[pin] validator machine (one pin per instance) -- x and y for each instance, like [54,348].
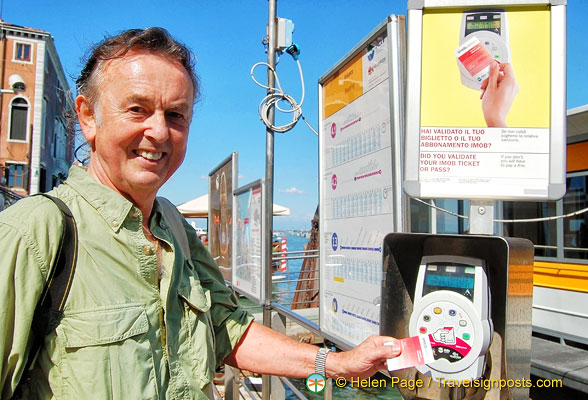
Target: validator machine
[490,26]
[452,306]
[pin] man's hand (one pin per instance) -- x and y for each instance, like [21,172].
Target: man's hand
[498,93]
[364,360]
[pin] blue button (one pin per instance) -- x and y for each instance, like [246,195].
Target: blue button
[452,312]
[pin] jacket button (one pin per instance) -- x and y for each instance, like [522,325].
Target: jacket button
[147,250]
[134,214]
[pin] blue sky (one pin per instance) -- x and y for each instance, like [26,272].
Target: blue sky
[226,37]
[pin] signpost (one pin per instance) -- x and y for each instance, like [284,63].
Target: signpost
[221,181]
[506,142]
[359,157]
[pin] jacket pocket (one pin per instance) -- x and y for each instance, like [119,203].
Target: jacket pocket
[199,329]
[106,353]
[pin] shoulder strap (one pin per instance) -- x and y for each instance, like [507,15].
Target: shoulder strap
[49,310]
[175,221]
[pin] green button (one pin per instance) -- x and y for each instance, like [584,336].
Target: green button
[466,336]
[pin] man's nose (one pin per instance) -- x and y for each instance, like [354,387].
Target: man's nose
[157,128]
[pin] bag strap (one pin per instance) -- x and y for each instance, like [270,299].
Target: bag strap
[176,223]
[49,309]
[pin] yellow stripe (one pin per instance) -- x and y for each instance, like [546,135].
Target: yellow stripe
[561,276]
[338,279]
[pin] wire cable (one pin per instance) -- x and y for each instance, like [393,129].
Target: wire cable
[432,205]
[572,214]
[555,217]
[277,95]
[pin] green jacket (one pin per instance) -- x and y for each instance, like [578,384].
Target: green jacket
[123,335]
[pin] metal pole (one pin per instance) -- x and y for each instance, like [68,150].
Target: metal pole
[269,185]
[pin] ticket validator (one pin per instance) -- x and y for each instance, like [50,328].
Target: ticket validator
[452,306]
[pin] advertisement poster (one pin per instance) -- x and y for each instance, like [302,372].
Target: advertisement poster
[485,103]
[220,218]
[247,274]
[356,193]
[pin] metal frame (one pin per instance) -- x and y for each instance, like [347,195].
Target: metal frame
[393,28]
[233,158]
[260,183]
[557,180]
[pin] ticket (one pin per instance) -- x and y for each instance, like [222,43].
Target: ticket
[416,350]
[475,59]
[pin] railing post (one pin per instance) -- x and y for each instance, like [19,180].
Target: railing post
[278,389]
[269,185]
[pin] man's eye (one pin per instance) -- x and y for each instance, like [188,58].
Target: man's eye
[136,109]
[176,115]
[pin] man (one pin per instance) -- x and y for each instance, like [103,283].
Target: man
[143,320]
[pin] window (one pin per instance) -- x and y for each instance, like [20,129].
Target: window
[17,176]
[425,219]
[543,234]
[19,110]
[576,227]
[59,140]
[22,52]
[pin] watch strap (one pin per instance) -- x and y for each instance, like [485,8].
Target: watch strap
[320,361]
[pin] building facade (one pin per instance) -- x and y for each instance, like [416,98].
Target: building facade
[36,132]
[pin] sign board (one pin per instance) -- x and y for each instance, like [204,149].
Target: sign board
[486,106]
[221,181]
[359,166]
[248,275]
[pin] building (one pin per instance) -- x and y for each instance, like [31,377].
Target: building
[36,139]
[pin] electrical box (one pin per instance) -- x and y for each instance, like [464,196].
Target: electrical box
[285,29]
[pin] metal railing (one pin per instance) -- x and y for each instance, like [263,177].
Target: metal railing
[8,197]
[284,289]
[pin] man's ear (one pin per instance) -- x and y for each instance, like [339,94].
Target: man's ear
[86,118]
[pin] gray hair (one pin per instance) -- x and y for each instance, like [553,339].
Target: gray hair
[155,40]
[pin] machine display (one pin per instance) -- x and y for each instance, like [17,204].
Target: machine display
[452,307]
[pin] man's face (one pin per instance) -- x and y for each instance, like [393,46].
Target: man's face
[138,127]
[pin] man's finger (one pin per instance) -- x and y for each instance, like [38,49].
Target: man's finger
[395,346]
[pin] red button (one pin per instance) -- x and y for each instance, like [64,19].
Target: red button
[423,330]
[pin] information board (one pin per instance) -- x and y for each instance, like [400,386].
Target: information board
[486,105]
[248,275]
[221,181]
[359,118]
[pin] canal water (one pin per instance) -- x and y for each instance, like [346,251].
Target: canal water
[286,289]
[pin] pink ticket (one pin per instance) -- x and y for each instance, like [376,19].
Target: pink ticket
[416,350]
[475,59]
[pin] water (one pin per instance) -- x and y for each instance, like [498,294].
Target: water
[286,289]
[296,243]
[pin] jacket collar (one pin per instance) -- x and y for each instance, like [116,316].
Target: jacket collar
[112,206]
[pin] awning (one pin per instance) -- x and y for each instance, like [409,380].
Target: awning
[198,208]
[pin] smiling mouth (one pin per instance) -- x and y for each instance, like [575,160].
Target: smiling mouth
[149,155]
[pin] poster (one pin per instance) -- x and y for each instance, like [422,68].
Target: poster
[485,105]
[247,272]
[356,192]
[220,218]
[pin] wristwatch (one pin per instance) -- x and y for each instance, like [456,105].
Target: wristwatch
[321,361]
